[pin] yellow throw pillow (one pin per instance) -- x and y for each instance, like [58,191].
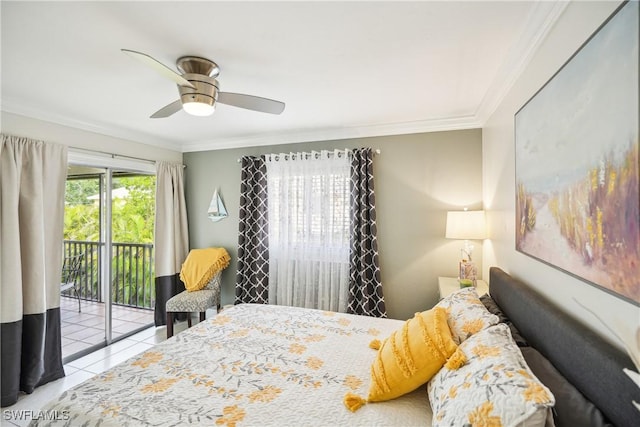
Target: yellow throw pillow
[201,265]
[408,358]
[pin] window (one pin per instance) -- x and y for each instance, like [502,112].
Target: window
[308,199]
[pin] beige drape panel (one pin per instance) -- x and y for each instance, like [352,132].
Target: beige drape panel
[171,234]
[32,185]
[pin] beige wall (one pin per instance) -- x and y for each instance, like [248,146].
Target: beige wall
[417,177]
[576,24]
[14,124]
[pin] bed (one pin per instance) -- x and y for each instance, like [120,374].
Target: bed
[273,365]
[587,362]
[249,365]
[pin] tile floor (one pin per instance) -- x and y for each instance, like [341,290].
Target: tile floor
[85,329]
[86,367]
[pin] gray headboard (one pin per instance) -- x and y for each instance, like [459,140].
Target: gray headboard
[590,363]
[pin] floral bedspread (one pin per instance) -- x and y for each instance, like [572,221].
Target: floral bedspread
[252,365]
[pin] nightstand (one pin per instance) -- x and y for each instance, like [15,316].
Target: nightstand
[446,285]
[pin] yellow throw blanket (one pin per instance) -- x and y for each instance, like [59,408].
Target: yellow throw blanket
[201,265]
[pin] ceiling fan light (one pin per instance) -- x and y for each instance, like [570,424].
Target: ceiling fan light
[200,109]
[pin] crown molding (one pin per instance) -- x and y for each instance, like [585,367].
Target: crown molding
[326,134]
[10,106]
[332,134]
[540,21]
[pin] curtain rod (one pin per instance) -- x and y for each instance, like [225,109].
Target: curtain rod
[113,155]
[375,152]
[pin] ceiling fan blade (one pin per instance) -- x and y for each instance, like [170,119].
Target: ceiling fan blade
[168,110]
[251,102]
[159,67]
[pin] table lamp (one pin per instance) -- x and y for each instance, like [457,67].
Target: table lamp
[466,225]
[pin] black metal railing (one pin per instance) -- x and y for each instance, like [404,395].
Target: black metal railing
[132,275]
[132,281]
[89,281]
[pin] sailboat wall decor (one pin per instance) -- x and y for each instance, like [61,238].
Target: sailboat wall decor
[216,210]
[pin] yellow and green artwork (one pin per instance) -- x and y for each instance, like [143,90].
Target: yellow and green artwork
[576,147]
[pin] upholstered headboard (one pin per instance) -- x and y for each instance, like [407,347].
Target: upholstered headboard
[590,363]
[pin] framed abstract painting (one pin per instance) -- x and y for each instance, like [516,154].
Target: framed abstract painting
[576,147]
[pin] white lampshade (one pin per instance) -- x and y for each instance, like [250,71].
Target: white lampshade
[466,225]
[198,108]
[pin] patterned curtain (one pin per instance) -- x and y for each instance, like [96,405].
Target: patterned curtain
[171,235]
[32,185]
[252,280]
[365,288]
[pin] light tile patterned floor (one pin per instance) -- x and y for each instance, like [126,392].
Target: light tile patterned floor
[85,329]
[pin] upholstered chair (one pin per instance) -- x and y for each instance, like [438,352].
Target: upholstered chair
[196,301]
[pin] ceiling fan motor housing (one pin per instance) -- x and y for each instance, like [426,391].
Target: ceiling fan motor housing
[205,91]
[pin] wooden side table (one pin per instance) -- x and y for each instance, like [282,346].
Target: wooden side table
[447,285]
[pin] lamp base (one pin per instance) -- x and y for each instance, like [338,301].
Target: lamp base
[468,272]
[465,283]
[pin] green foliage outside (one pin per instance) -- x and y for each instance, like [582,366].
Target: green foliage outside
[132,223]
[133,216]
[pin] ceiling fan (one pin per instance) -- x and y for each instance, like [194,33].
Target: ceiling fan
[199,89]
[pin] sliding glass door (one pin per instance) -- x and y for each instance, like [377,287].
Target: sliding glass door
[109,216]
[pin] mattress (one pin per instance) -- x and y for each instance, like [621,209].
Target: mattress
[249,365]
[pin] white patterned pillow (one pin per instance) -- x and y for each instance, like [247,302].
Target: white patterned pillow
[494,387]
[466,314]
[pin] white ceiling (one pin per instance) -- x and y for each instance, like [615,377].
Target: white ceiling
[344,69]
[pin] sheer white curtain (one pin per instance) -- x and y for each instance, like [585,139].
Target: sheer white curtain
[308,197]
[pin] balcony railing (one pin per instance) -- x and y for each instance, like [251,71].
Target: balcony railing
[132,281]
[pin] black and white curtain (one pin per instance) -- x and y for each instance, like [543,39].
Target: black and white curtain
[365,287]
[32,184]
[252,280]
[171,241]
